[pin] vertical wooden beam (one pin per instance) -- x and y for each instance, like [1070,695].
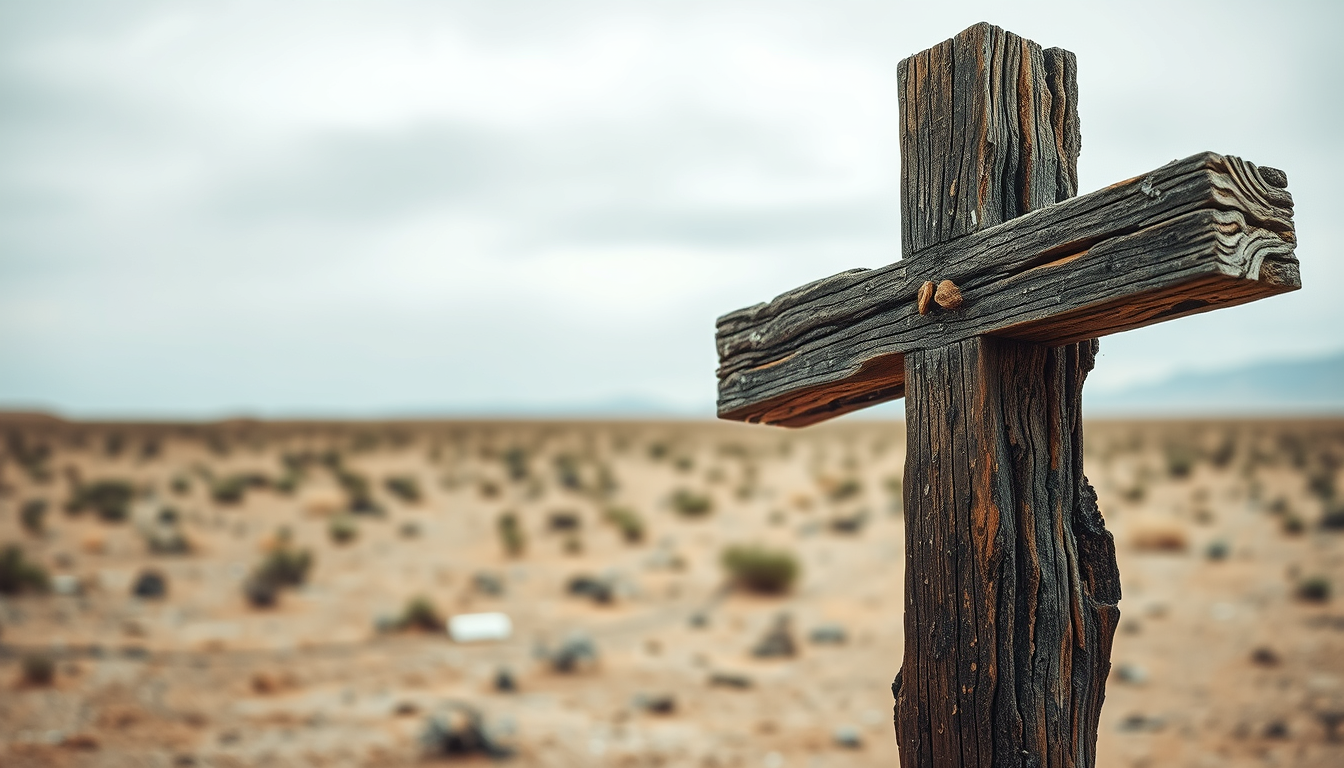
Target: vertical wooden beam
[1011,583]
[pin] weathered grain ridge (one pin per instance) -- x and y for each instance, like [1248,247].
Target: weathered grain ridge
[1119,258]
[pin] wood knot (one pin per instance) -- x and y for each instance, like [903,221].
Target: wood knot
[925,296]
[948,295]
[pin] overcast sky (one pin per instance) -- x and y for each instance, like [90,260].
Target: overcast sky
[436,207]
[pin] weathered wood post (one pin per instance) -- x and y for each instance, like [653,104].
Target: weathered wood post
[1010,609]
[988,327]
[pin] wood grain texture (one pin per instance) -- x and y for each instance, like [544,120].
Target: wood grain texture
[1197,234]
[989,131]
[1011,583]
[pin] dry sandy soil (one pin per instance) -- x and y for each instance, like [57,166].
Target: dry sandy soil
[1230,650]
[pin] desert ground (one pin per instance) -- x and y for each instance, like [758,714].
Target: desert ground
[680,593]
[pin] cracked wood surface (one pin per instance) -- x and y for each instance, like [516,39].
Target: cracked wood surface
[1197,234]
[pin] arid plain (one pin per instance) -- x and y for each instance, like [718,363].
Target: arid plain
[680,593]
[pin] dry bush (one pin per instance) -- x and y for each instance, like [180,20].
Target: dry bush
[758,569]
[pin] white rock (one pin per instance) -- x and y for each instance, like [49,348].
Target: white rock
[476,627]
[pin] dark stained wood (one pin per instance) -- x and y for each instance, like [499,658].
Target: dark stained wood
[1011,584]
[1197,234]
[1012,590]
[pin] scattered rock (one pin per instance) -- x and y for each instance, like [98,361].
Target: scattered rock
[1217,550]
[150,585]
[601,591]
[828,634]
[847,737]
[656,704]
[66,584]
[459,730]
[489,584]
[778,641]
[1137,722]
[730,680]
[576,653]
[1264,656]
[1131,673]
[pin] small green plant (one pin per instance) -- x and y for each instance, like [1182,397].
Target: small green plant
[109,499]
[758,569]
[39,669]
[180,485]
[511,534]
[18,574]
[342,529]
[628,522]
[229,490]
[688,503]
[404,487]
[33,516]
[1313,589]
[283,567]
[420,613]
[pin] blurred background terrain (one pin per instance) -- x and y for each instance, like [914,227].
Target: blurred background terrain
[321,325]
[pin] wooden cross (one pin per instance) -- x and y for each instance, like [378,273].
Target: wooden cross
[987,326]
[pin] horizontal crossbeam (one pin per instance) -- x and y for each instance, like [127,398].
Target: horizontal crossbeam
[1197,234]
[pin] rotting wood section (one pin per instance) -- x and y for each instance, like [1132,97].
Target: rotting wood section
[1197,234]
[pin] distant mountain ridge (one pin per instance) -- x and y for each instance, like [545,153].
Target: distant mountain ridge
[1303,386]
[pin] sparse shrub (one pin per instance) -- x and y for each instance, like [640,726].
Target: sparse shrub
[150,585]
[683,463]
[420,613]
[39,669]
[228,490]
[1332,519]
[33,516]
[1314,589]
[1181,460]
[109,499]
[18,574]
[180,485]
[284,566]
[511,534]
[628,522]
[759,569]
[342,528]
[688,503]
[288,483]
[842,490]
[404,487]
[515,461]
[567,472]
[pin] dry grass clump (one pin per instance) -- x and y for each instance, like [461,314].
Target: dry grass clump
[18,574]
[283,567]
[109,499]
[627,521]
[342,528]
[404,487]
[511,534]
[759,569]
[421,614]
[689,503]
